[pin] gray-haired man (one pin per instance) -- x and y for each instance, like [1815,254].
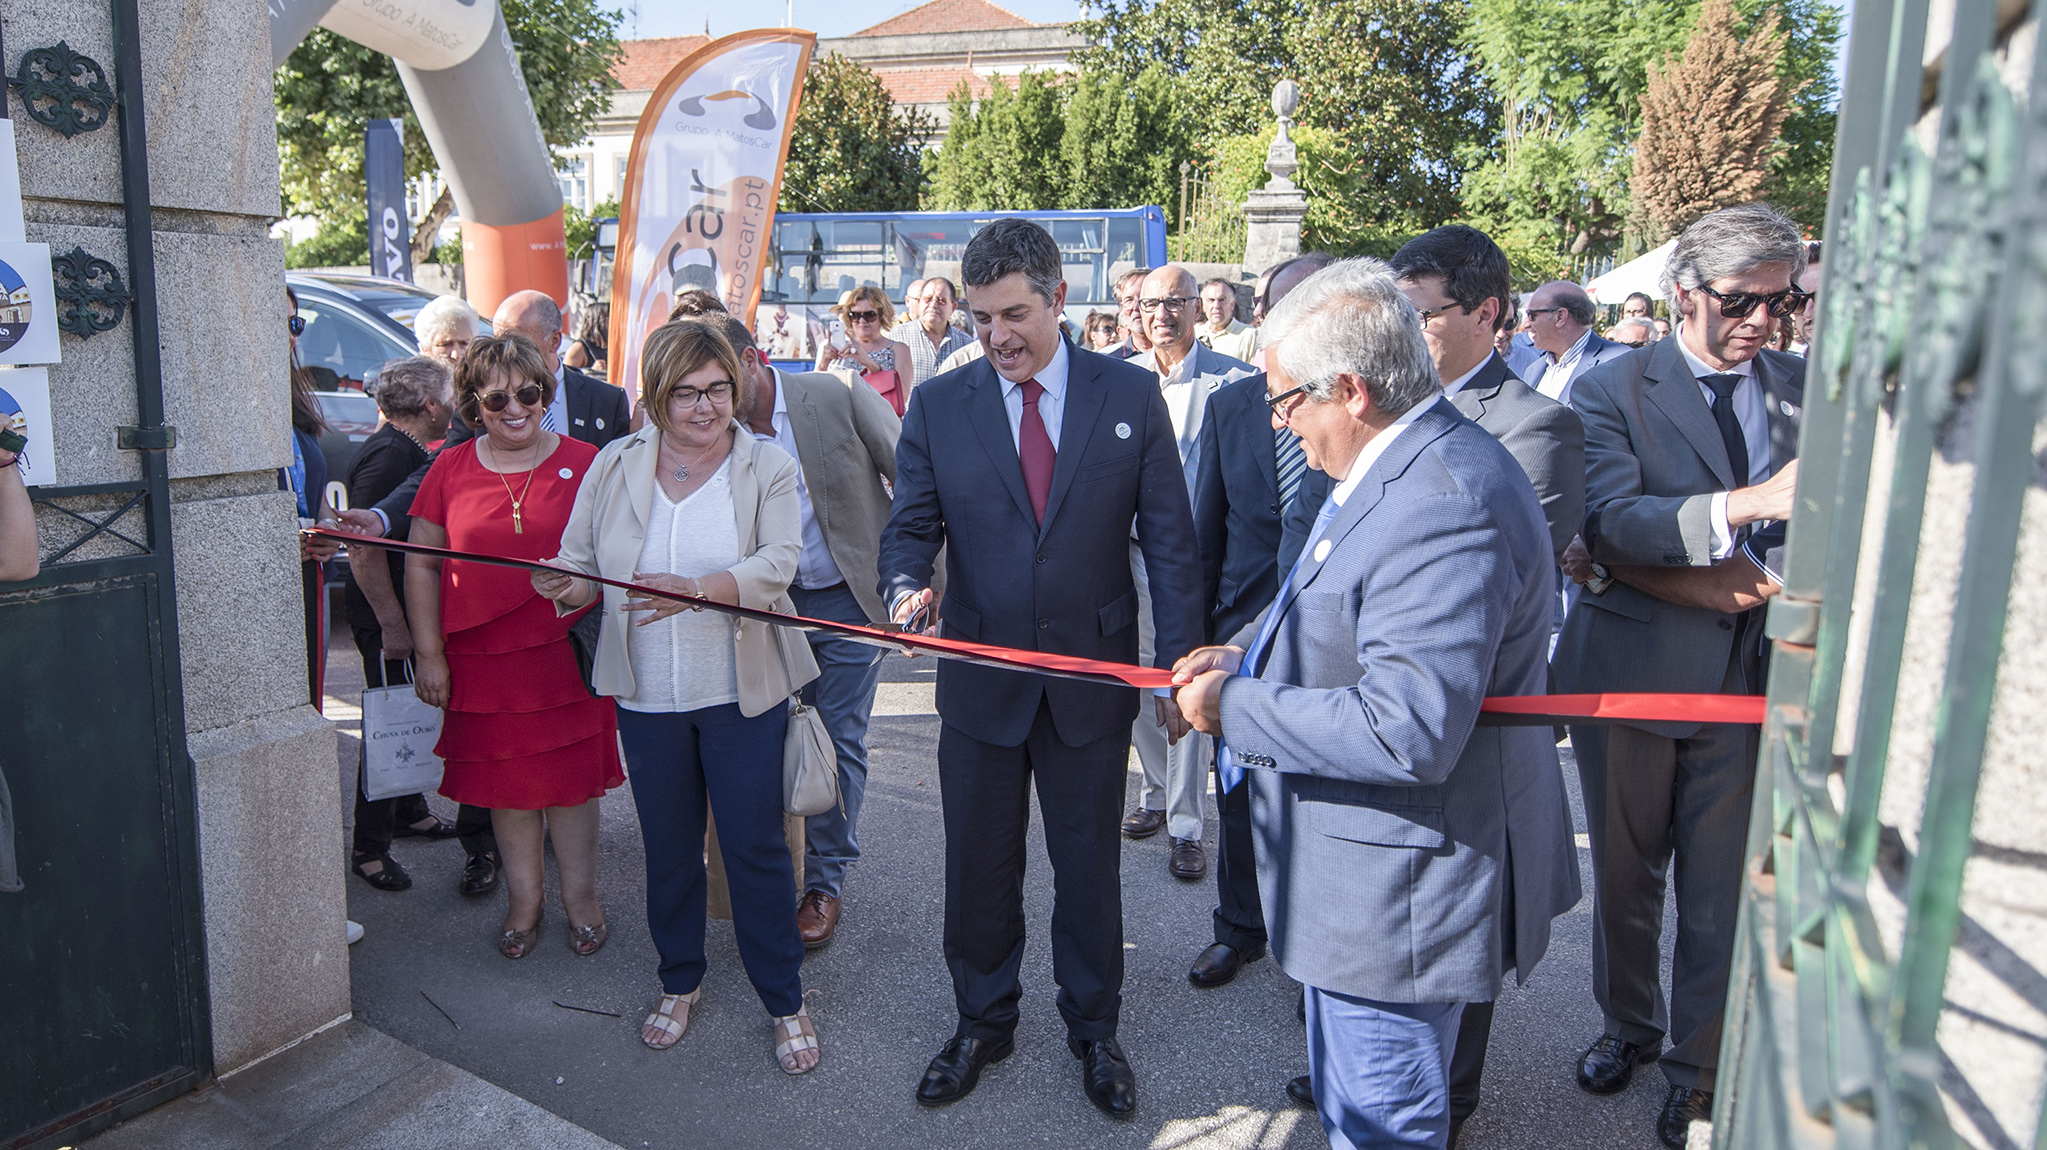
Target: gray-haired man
[1688,442]
[1406,860]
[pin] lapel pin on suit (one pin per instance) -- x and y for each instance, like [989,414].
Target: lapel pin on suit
[1122,431]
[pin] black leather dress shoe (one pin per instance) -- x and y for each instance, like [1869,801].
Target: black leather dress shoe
[1220,963]
[1682,1107]
[957,1069]
[1302,1091]
[1610,1063]
[1105,1075]
[480,874]
[1187,862]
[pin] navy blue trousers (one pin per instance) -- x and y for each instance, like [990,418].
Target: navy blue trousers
[677,762]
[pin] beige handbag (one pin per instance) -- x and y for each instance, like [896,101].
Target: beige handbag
[810,764]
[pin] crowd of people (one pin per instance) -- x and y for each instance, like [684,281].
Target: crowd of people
[1397,490]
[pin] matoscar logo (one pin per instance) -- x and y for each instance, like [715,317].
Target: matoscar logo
[699,194]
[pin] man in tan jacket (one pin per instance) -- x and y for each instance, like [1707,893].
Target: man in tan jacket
[843,435]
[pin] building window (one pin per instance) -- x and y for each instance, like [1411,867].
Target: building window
[574,176]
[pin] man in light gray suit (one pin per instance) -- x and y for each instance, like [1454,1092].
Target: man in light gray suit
[843,436]
[1688,442]
[1188,373]
[1407,859]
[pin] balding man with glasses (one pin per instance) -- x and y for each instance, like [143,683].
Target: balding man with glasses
[1690,451]
[1188,373]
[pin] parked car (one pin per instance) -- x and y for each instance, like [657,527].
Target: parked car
[351,418]
[354,325]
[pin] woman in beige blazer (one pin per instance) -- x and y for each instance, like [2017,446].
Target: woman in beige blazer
[693,504]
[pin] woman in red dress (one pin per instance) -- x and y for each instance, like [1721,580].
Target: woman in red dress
[521,734]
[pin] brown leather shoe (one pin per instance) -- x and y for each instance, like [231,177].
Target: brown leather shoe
[1142,824]
[817,918]
[1187,862]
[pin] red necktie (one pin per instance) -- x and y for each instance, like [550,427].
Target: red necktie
[1034,449]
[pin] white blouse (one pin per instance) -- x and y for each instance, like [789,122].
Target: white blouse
[684,662]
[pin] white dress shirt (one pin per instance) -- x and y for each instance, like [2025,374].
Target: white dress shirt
[1752,411]
[1051,405]
[1556,379]
[556,418]
[815,568]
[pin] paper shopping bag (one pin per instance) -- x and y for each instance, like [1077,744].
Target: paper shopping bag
[398,737]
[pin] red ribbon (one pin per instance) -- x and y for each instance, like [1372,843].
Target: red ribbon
[1503,710]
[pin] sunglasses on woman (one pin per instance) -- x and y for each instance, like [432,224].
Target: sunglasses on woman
[1737,305]
[527,394]
[863,316]
[298,325]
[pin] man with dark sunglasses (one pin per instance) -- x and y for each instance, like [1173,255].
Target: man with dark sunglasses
[1690,449]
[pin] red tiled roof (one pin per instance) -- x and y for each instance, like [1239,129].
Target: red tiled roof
[643,64]
[933,85]
[949,16]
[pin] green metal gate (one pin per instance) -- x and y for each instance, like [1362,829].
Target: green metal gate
[1935,313]
[103,1007]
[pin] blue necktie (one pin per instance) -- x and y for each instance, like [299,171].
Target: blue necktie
[1226,767]
[1292,463]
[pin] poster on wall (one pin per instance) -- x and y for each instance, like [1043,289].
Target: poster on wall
[10,187]
[25,410]
[28,305]
[698,204]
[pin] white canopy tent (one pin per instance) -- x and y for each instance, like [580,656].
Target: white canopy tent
[1637,275]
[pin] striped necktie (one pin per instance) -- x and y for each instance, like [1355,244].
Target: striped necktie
[1292,464]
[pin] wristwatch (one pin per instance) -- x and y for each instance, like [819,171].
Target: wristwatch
[1600,581]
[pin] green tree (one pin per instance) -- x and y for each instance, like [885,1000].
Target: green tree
[330,85]
[994,153]
[1387,97]
[1569,75]
[1123,140]
[851,150]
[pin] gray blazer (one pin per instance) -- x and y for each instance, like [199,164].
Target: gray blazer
[1546,438]
[846,443]
[1405,854]
[1653,461]
[1212,369]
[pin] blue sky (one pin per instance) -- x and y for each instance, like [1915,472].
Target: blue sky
[686,17]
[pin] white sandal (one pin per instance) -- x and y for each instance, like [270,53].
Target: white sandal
[664,1018]
[794,1034]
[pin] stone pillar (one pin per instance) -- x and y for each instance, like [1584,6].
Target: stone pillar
[1275,211]
[269,811]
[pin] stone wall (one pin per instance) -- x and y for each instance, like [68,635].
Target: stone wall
[269,814]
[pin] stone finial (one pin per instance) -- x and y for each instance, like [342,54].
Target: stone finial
[1286,96]
[1280,159]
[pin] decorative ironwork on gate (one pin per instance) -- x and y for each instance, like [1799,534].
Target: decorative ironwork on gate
[1933,303]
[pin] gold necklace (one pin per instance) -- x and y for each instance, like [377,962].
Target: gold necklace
[519,500]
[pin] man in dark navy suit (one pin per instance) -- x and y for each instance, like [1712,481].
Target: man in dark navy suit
[1248,474]
[1030,466]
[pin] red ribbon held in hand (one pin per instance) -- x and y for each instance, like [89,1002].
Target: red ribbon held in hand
[1530,710]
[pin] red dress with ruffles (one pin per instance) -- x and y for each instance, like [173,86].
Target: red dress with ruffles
[520,732]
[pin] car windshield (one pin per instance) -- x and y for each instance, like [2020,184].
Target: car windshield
[403,308]
[339,348]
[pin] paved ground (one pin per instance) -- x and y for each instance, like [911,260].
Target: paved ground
[1211,1065]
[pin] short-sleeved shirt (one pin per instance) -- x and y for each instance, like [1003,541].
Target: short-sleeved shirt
[474,505]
